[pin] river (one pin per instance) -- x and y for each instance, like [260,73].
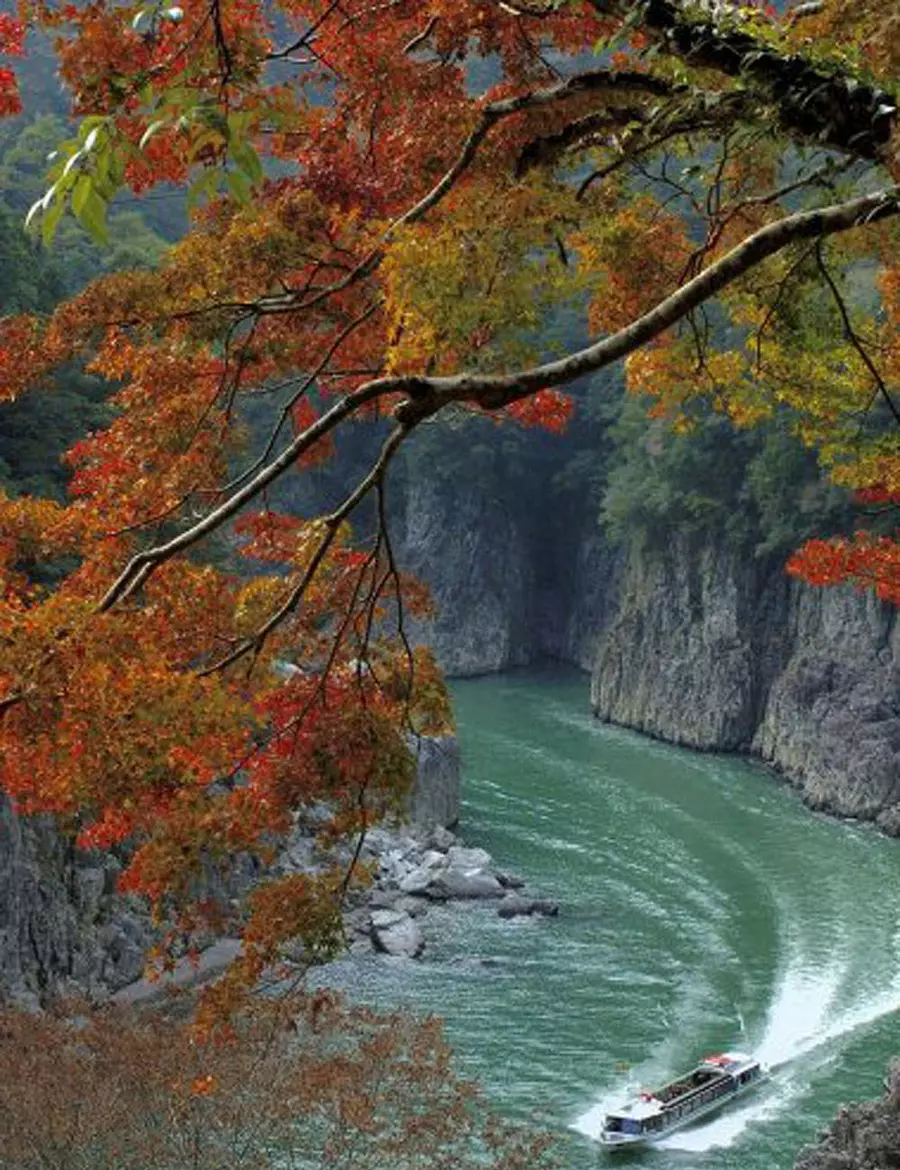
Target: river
[702,908]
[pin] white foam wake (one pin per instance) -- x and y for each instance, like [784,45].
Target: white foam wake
[797,1017]
[802,1023]
[590,1123]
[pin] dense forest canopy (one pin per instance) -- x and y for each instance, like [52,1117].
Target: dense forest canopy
[393,207]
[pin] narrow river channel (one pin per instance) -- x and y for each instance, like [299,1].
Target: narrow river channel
[702,908]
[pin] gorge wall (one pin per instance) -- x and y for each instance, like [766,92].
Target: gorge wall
[716,652]
[695,642]
[64,928]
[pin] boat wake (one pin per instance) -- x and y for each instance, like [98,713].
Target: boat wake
[804,1026]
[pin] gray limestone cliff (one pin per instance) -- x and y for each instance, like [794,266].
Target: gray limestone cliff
[720,652]
[63,927]
[435,797]
[472,552]
[697,643]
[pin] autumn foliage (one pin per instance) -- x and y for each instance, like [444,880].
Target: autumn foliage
[312,1082]
[389,202]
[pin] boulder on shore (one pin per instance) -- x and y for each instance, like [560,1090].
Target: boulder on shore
[395,933]
[452,883]
[515,906]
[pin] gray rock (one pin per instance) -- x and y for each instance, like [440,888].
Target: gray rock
[383,899]
[440,839]
[385,919]
[515,906]
[415,907]
[454,884]
[719,650]
[358,921]
[861,1137]
[58,912]
[435,797]
[510,881]
[419,880]
[474,554]
[400,936]
[90,886]
[469,860]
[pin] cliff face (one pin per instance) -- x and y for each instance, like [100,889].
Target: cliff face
[475,556]
[861,1137]
[721,653]
[62,926]
[65,930]
[692,643]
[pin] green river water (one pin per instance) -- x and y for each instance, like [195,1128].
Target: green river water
[702,908]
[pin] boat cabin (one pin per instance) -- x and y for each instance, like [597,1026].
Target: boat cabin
[652,1114]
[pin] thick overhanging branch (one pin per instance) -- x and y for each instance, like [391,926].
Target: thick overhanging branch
[690,115]
[811,102]
[493,391]
[426,396]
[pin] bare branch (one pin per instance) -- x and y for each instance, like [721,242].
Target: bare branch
[331,524]
[853,337]
[420,38]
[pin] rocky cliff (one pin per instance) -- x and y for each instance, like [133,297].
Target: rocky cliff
[721,652]
[474,553]
[696,643]
[65,930]
[861,1137]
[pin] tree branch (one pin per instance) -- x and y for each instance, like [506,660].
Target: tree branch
[332,523]
[140,566]
[492,391]
[837,110]
[428,395]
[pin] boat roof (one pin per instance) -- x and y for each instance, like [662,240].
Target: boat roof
[729,1062]
[646,1105]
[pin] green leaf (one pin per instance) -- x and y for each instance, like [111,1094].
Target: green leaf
[91,212]
[239,186]
[152,129]
[33,210]
[52,216]
[73,162]
[80,194]
[248,160]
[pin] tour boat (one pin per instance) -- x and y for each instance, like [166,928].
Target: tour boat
[652,1115]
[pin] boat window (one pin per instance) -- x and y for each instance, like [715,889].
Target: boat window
[630,1126]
